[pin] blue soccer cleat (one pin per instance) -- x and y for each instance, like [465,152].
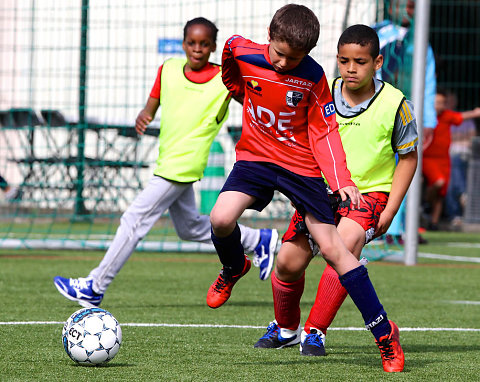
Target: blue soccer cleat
[312,343]
[79,290]
[264,253]
[277,338]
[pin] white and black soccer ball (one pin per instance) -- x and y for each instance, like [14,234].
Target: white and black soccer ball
[91,336]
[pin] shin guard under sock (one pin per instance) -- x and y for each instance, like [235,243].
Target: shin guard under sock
[230,250]
[286,301]
[330,296]
[360,288]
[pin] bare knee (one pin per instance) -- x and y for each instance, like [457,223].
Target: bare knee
[222,224]
[331,253]
[292,260]
[288,272]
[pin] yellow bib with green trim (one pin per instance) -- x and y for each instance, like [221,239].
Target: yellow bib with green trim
[191,116]
[367,140]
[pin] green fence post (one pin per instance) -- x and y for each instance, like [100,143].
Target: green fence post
[80,210]
[214,177]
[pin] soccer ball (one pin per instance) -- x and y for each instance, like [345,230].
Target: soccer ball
[91,336]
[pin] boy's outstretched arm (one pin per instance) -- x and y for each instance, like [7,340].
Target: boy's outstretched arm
[402,178]
[470,114]
[146,115]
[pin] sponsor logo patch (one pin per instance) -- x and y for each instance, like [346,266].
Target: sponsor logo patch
[329,109]
[375,322]
[298,82]
[254,86]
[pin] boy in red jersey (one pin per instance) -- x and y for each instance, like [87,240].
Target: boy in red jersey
[289,138]
[359,99]
[436,157]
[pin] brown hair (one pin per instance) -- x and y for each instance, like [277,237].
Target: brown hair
[296,25]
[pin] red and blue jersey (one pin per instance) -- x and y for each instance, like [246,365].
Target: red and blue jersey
[289,117]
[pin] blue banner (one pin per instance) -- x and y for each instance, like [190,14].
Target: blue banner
[170,45]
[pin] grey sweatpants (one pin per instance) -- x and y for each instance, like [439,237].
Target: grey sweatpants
[158,196]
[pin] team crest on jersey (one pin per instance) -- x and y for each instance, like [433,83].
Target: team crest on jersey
[294,97]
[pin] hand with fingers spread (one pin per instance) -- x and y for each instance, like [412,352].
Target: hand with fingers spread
[355,196]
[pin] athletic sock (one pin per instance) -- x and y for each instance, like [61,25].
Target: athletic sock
[286,301]
[330,296]
[230,251]
[360,288]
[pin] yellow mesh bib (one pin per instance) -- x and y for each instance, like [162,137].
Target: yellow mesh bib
[191,116]
[367,140]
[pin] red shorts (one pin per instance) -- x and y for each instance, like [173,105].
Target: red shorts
[435,169]
[367,216]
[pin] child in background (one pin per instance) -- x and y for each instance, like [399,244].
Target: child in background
[436,157]
[359,99]
[460,154]
[396,45]
[289,137]
[194,106]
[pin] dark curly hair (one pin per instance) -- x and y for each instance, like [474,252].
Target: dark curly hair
[362,35]
[201,21]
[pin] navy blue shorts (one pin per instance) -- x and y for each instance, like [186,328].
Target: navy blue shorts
[261,179]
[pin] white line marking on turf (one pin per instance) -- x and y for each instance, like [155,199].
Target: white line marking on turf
[464,302]
[349,328]
[448,257]
[463,245]
[397,256]
[31,323]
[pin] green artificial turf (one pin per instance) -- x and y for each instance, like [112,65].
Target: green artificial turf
[201,344]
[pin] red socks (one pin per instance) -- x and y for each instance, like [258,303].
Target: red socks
[330,296]
[286,301]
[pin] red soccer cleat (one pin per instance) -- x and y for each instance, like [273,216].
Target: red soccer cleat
[393,358]
[219,292]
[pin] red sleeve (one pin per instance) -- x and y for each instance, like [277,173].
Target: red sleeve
[325,139]
[455,117]
[155,92]
[230,71]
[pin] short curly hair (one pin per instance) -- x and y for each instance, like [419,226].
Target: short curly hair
[201,21]
[361,35]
